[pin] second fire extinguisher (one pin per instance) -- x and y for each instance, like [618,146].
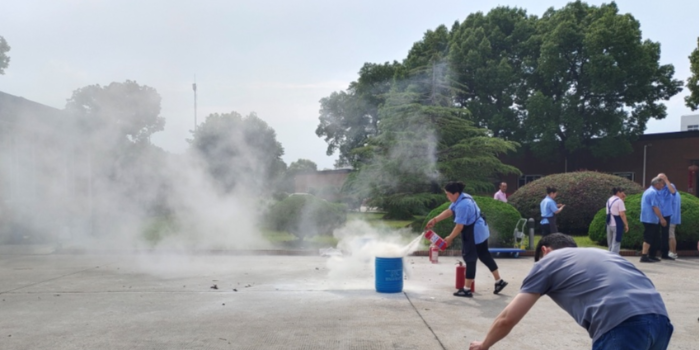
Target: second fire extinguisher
[460,276]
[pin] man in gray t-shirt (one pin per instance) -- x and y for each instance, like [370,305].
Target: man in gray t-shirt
[606,294]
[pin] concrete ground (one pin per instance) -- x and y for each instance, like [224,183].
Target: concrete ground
[135,301]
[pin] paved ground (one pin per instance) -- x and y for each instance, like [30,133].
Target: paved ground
[109,301]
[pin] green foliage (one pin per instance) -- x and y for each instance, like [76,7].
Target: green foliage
[686,232]
[238,150]
[348,119]
[117,114]
[594,78]
[4,58]
[304,215]
[583,193]
[692,100]
[301,166]
[501,218]
[487,56]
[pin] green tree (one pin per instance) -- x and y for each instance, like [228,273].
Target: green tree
[488,55]
[302,166]
[349,118]
[239,150]
[422,141]
[594,78]
[119,113]
[692,100]
[4,58]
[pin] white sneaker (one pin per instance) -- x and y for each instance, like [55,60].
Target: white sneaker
[673,255]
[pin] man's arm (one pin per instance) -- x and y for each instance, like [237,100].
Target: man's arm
[506,320]
[669,185]
[657,211]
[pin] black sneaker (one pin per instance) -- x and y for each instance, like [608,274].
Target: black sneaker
[463,293]
[654,259]
[645,259]
[498,286]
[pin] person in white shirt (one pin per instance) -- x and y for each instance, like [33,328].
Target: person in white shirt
[501,194]
[615,219]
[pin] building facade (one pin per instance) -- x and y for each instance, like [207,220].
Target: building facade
[675,154]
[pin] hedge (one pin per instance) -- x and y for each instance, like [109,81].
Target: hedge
[500,216]
[686,232]
[305,215]
[582,192]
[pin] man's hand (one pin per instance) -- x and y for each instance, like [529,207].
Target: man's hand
[663,222]
[431,223]
[627,229]
[448,241]
[476,345]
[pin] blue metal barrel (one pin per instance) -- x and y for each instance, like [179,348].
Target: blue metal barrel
[388,274]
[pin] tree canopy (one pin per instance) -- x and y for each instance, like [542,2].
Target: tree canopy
[4,58]
[692,100]
[239,150]
[118,113]
[577,78]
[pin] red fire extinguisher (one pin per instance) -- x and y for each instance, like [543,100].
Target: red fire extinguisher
[459,277]
[433,254]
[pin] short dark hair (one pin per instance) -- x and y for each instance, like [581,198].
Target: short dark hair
[554,241]
[616,190]
[455,187]
[551,190]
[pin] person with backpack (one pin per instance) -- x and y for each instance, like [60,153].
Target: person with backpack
[615,219]
[470,224]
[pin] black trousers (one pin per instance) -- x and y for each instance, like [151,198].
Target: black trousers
[481,251]
[652,236]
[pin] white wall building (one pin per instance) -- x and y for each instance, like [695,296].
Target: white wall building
[689,122]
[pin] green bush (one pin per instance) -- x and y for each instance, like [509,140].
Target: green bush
[686,232]
[582,192]
[500,216]
[304,215]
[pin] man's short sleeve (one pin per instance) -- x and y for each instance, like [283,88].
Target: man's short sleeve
[538,280]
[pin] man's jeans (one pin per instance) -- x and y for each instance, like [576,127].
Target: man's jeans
[642,332]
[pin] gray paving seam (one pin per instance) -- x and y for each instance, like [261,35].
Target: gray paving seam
[424,321]
[48,280]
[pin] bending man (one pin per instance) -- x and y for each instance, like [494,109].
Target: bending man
[616,303]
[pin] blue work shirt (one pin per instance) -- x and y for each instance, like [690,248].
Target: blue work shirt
[467,212]
[650,199]
[676,215]
[547,209]
[666,201]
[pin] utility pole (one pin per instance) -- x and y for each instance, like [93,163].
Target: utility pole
[194,88]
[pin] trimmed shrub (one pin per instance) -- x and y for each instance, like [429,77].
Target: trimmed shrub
[686,232]
[304,215]
[500,216]
[582,192]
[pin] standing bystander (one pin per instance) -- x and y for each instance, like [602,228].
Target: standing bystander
[616,219]
[501,194]
[549,208]
[668,196]
[651,218]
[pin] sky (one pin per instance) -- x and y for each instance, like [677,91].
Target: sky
[274,58]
